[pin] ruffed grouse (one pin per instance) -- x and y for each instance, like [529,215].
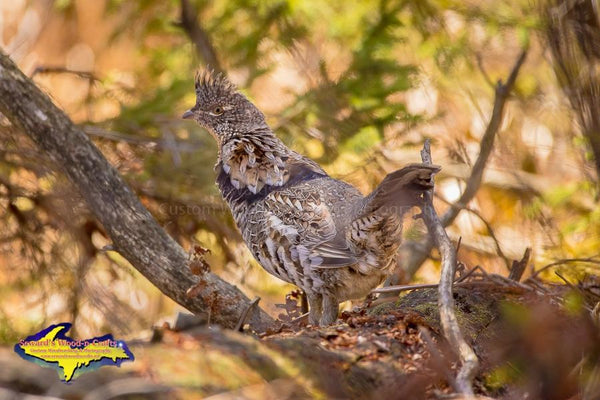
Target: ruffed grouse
[303,226]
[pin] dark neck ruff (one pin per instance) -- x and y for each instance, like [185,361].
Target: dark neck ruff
[233,196]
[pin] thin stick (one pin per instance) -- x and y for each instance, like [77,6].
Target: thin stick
[63,70]
[465,276]
[401,288]
[564,261]
[457,283]
[240,325]
[303,317]
[468,359]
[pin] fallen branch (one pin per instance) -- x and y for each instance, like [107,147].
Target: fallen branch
[468,359]
[135,233]
[502,92]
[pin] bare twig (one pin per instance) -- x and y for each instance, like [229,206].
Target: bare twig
[564,261]
[187,146]
[487,142]
[468,359]
[460,282]
[468,274]
[301,318]
[569,284]
[240,325]
[402,288]
[483,71]
[502,92]
[63,70]
[204,48]
[589,297]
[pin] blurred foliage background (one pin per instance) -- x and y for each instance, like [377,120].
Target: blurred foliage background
[355,85]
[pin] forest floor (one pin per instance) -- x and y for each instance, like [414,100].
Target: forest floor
[534,339]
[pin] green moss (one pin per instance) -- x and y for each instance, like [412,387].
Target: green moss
[474,311]
[574,303]
[383,309]
[501,376]
[476,318]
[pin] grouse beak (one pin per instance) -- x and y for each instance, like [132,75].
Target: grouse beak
[189,114]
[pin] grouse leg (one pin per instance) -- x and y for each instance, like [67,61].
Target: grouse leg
[315,302]
[330,310]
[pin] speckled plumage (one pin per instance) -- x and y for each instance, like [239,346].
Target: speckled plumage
[301,225]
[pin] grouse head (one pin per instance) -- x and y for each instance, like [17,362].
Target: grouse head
[222,110]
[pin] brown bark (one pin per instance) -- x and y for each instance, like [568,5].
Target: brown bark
[135,233]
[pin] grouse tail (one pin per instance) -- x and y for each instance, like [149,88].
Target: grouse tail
[401,189]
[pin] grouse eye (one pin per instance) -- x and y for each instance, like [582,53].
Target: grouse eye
[218,110]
